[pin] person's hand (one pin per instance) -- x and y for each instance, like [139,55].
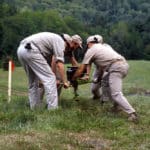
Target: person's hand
[58,82]
[85,77]
[66,85]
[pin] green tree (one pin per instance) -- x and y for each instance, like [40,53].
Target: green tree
[127,41]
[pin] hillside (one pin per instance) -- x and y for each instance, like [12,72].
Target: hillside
[123,24]
[96,12]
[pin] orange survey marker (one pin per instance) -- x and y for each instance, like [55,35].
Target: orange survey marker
[12,65]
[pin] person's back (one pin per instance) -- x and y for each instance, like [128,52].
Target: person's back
[103,54]
[32,53]
[47,42]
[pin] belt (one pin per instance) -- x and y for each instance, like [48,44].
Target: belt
[114,61]
[32,46]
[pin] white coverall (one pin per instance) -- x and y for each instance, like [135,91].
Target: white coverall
[32,52]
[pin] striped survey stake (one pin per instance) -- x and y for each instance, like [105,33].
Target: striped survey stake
[11,67]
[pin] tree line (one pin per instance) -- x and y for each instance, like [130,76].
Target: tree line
[123,24]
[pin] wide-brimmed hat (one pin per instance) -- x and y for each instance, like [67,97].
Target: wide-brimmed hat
[67,38]
[77,39]
[95,39]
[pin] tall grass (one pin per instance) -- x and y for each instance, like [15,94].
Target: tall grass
[79,123]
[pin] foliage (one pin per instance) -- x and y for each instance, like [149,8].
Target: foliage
[124,24]
[26,23]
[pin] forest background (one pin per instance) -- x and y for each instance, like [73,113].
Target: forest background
[124,24]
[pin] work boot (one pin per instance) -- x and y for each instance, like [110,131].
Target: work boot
[133,117]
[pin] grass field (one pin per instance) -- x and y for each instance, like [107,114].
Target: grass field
[78,124]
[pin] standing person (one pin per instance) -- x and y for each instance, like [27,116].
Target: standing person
[72,46]
[33,53]
[108,60]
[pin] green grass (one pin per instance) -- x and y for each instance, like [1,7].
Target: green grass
[79,123]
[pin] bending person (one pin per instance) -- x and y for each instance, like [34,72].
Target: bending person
[107,59]
[33,53]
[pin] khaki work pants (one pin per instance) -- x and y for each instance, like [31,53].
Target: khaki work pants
[37,68]
[116,73]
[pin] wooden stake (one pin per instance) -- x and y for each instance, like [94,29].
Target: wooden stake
[9,80]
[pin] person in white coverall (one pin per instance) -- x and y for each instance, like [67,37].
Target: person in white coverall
[33,53]
[106,59]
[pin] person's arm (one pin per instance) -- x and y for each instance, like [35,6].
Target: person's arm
[74,61]
[86,62]
[72,58]
[61,70]
[88,69]
[53,64]
[79,71]
[87,73]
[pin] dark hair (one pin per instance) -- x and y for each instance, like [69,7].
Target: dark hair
[95,40]
[62,35]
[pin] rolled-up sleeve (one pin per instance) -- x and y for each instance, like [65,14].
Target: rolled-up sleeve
[59,47]
[88,57]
